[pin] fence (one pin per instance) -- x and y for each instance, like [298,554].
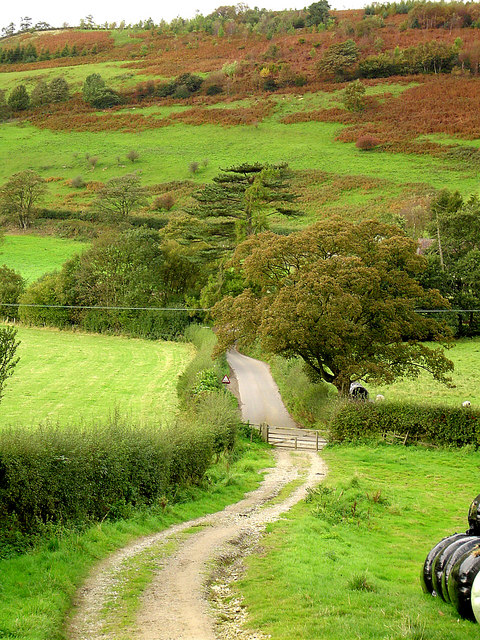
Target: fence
[290,437]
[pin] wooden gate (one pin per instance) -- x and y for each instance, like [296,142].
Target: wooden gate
[290,438]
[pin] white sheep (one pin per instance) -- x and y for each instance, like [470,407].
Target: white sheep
[379,398]
[466,404]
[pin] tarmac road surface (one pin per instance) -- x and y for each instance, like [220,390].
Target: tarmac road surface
[260,399]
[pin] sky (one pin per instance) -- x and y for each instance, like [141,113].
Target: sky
[57,12]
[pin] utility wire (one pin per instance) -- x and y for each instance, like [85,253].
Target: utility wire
[447,310]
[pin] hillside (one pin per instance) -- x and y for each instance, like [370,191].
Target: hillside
[195,98]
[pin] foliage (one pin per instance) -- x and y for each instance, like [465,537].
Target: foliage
[8,360]
[121,196]
[443,426]
[133,269]
[20,195]
[342,297]
[80,474]
[367,143]
[339,59]
[454,261]
[12,286]
[240,201]
[318,13]
[354,96]
[19,100]
[97,94]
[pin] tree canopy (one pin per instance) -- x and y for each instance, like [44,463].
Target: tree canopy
[20,195]
[240,201]
[454,259]
[8,360]
[339,295]
[121,195]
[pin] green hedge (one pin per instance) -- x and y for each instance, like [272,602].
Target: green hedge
[72,475]
[444,426]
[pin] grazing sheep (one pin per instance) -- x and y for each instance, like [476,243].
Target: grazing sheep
[466,404]
[379,398]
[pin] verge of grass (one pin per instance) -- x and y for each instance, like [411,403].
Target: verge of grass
[33,256]
[346,564]
[38,588]
[66,376]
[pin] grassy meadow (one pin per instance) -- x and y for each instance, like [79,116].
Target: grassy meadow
[33,256]
[346,563]
[69,376]
[165,153]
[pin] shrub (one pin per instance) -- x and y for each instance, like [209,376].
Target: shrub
[133,155]
[78,182]
[354,97]
[12,286]
[165,201]
[214,89]
[78,229]
[366,143]
[19,100]
[444,426]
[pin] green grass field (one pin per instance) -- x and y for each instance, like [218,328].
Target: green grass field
[165,153]
[116,73]
[71,376]
[32,255]
[424,390]
[347,563]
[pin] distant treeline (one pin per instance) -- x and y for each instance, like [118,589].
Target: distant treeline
[30,53]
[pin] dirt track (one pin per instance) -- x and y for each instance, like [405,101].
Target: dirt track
[175,605]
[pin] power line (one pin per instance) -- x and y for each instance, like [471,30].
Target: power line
[74,306]
[447,310]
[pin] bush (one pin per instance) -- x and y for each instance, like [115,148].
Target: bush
[214,89]
[166,201]
[367,143]
[78,182]
[444,426]
[81,473]
[78,229]
[12,286]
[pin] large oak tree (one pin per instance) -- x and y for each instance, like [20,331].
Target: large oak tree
[341,296]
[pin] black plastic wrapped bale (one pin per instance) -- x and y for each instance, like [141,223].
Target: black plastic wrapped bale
[460,583]
[358,391]
[426,576]
[474,517]
[475,597]
[462,547]
[440,563]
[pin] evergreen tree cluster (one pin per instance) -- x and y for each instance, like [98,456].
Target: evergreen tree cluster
[30,53]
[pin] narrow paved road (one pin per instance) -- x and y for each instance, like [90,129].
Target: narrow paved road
[260,400]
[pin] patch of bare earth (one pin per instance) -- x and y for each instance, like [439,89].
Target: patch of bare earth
[189,597]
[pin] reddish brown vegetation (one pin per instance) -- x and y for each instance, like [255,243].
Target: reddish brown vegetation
[447,104]
[80,117]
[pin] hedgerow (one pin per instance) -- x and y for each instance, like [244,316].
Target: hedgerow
[72,475]
[442,426]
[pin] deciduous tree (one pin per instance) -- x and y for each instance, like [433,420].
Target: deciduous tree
[342,297]
[20,195]
[8,348]
[121,195]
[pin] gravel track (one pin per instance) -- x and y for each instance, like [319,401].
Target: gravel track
[177,605]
